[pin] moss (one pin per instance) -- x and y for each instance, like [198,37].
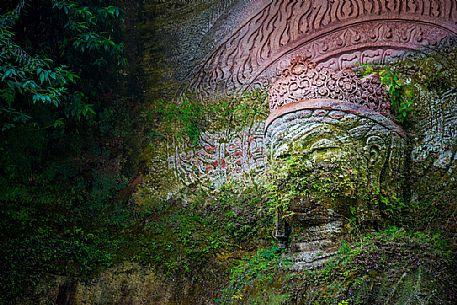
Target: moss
[432,179]
[193,236]
[258,279]
[392,266]
[187,119]
[330,178]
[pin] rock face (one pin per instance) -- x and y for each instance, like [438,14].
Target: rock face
[433,168]
[322,114]
[125,284]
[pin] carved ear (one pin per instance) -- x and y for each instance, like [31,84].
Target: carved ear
[375,152]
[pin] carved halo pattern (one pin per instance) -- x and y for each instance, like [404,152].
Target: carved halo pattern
[322,31]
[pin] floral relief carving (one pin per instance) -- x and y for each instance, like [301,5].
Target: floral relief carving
[303,80]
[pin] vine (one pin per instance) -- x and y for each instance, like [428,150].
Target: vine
[401,90]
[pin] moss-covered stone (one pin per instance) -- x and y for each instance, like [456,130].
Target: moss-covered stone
[388,267]
[329,171]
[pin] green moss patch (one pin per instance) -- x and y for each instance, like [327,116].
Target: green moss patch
[392,266]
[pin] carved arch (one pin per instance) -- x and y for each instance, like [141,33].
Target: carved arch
[333,33]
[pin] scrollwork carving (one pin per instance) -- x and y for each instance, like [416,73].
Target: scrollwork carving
[302,80]
[218,157]
[321,30]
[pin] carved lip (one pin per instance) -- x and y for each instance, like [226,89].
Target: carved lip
[333,105]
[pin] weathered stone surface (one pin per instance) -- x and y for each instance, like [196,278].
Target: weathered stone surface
[177,35]
[433,167]
[218,157]
[125,284]
[436,130]
[332,158]
[316,245]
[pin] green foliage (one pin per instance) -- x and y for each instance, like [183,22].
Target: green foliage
[435,72]
[184,119]
[363,270]
[56,228]
[62,163]
[402,92]
[46,62]
[65,158]
[240,112]
[392,207]
[187,232]
[255,279]
[188,118]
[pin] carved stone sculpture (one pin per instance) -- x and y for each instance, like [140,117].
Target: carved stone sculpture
[221,156]
[336,34]
[255,46]
[303,80]
[303,53]
[331,159]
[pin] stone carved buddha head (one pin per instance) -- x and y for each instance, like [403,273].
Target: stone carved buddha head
[330,158]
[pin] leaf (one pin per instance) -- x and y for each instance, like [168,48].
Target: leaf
[9,73]
[8,95]
[41,77]
[88,110]
[58,123]
[7,126]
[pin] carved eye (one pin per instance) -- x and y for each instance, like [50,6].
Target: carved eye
[323,144]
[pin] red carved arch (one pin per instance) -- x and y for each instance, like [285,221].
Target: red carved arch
[334,33]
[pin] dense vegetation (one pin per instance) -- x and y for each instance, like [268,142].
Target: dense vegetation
[63,135]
